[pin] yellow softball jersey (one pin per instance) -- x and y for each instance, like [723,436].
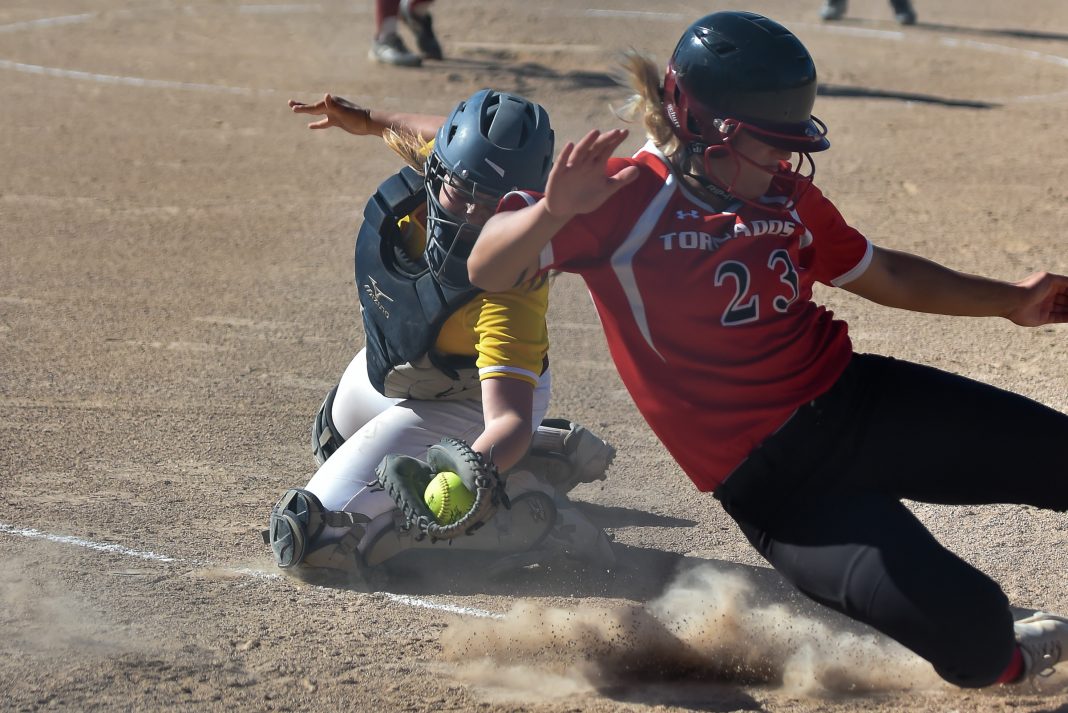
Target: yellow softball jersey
[505,331]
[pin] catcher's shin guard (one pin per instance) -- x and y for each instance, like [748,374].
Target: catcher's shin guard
[298,534]
[324,436]
[566,454]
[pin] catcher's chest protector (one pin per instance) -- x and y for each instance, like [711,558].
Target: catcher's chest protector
[403,304]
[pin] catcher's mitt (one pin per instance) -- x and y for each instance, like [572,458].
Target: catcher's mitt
[406,479]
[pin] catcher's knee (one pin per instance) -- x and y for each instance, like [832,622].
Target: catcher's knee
[566,454]
[302,533]
[325,439]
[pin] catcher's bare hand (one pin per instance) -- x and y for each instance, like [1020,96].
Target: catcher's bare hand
[339,112]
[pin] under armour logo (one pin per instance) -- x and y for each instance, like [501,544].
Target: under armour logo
[682,214]
[377,295]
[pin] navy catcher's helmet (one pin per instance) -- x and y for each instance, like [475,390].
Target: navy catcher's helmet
[490,144]
[735,70]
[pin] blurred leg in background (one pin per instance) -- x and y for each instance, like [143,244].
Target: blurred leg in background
[836,10]
[387,46]
[416,16]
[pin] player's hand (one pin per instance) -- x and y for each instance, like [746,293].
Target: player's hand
[339,112]
[1045,301]
[579,182]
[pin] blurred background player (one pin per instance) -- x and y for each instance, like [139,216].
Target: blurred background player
[388,47]
[836,10]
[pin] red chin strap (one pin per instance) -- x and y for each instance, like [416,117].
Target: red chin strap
[796,177]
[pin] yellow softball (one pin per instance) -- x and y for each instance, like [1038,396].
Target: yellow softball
[448,498]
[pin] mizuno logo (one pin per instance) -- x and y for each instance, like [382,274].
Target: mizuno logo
[377,295]
[495,167]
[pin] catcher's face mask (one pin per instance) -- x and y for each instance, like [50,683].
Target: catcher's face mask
[456,211]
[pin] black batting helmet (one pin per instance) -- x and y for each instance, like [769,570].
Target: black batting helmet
[739,69]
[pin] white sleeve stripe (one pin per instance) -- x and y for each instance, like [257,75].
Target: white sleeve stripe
[806,238]
[508,370]
[529,199]
[545,258]
[858,270]
[623,257]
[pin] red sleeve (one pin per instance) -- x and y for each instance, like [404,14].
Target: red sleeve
[836,252]
[588,238]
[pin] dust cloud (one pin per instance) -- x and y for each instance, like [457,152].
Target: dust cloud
[40,618]
[706,627]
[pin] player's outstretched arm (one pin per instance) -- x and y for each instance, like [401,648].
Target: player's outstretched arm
[507,250]
[508,406]
[342,113]
[906,281]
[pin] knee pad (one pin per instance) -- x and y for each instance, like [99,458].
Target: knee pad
[566,454]
[297,534]
[325,439]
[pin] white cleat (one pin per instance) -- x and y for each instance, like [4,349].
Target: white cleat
[833,10]
[1043,640]
[392,50]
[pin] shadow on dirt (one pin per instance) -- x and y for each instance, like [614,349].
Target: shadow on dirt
[834,90]
[684,692]
[501,66]
[608,516]
[640,574]
[994,32]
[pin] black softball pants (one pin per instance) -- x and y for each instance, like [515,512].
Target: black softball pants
[820,500]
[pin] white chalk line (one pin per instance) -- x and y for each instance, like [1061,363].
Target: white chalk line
[631,14]
[127,81]
[1003,49]
[47,22]
[80,542]
[31,533]
[277,9]
[451,608]
[292,8]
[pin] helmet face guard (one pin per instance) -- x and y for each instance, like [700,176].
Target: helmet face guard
[461,183]
[450,237]
[794,174]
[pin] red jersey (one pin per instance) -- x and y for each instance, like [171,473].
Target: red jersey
[708,313]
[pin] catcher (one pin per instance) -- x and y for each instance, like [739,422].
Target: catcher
[443,361]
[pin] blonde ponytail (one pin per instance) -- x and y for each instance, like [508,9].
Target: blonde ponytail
[646,105]
[409,146]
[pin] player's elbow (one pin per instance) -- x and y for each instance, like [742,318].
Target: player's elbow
[482,275]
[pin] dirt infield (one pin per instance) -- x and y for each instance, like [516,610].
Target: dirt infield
[176,299]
